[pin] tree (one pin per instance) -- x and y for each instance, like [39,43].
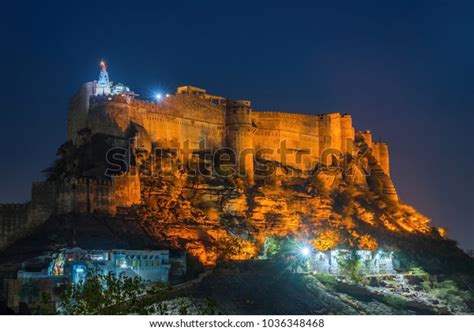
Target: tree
[111,295]
[280,247]
[350,265]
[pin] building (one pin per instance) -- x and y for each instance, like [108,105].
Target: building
[76,264]
[372,262]
[104,87]
[50,273]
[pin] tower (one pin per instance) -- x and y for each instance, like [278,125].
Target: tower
[102,86]
[239,136]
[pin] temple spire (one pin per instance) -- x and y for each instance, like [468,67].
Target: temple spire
[102,86]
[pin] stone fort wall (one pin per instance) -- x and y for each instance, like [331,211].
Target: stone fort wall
[81,196]
[13,220]
[187,119]
[312,137]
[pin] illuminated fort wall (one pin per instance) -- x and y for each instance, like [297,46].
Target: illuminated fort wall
[81,196]
[191,119]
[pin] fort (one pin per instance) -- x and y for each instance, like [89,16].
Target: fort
[190,118]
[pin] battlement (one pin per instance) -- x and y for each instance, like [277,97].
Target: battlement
[81,181]
[298,115]
[42,184]
[10,206]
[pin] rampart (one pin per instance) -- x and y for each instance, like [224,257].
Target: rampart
[197,120]
[82,196]
[13,219]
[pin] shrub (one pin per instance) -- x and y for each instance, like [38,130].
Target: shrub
[394,301]
[350,266]
[111,295]
[447,291]
[326,279]
[280,246]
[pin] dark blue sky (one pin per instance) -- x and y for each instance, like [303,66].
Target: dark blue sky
[404,69]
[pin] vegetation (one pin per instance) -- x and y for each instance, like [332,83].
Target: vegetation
[112,295]
[277,247]
[395,301]
[327,279]
[187,306]
[350,265]
[449,293]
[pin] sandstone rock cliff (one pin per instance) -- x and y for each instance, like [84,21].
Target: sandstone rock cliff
[349,204]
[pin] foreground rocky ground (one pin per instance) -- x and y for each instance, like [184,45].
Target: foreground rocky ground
[266,287]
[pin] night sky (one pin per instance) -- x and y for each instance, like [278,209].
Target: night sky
[403,69]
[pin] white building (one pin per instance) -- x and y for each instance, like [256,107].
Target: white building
[372,262]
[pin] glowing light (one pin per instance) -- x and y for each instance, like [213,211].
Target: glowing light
[158,96]
[167,95]
[305,251]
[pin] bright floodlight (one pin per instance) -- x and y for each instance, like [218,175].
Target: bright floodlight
[305,251]
[158,96]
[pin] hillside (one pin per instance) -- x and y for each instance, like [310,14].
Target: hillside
[269,288]
[199,208]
